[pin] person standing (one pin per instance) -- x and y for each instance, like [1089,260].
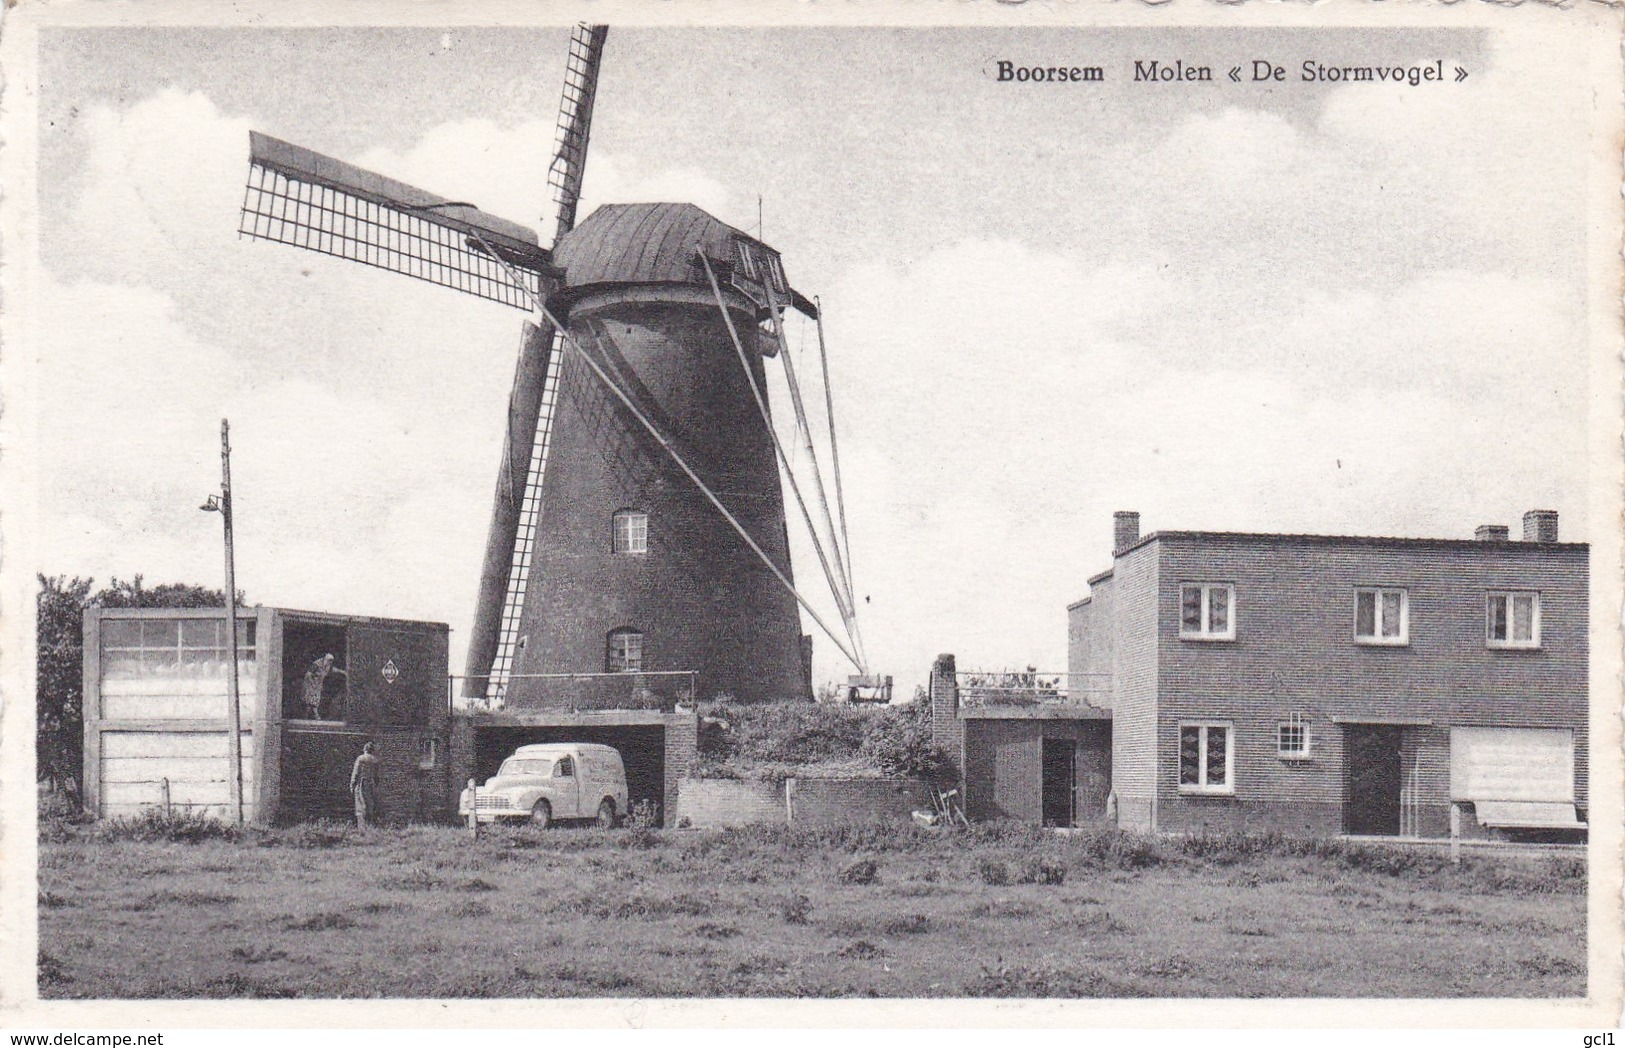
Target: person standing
[316,684]
[364,785]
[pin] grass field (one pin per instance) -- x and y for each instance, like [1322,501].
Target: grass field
[894,912]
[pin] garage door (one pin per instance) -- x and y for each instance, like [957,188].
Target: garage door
[1514,776]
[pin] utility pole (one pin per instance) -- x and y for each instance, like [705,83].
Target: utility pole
[234,741]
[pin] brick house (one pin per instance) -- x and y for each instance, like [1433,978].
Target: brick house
[1333,684]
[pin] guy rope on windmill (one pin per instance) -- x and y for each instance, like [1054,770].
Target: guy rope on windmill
[639,521]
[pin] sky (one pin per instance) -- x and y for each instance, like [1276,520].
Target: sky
[1348,309]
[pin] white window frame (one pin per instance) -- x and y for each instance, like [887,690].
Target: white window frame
[1207,632]
[1293,755]
[1507,599]
[428,753]
[624,656]
[1202,786]
[1379,639]
[636,528]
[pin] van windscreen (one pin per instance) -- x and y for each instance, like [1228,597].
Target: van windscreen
[514,766]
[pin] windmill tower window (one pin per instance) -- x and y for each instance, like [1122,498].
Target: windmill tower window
[625,652]
[631,531]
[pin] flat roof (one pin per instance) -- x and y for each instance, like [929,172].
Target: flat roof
[1287,539]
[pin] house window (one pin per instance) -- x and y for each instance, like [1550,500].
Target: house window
[631,531]
[1512,620]
[1205,758]
[1292,740]
[625,652]
[428,751]
[1207,611]
[1382,616]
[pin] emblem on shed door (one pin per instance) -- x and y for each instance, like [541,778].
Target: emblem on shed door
[390,671]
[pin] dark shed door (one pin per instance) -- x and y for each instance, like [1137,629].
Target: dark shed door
[1058,781]
[1371,778]
[397,676]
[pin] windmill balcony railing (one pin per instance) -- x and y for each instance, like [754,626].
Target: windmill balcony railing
[661,691]
[979,689]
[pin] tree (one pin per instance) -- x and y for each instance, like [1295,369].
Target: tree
[60,643]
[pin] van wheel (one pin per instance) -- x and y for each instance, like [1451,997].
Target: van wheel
[606,814]
[541,815]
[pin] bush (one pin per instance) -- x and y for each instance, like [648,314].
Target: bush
[860,871]
[176,827]
[1040,870]
[323,833]
[794,908]
[645,814]
[995,872]
[899,743]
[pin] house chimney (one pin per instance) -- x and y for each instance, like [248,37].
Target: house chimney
[1491,533]
[1540,525]
[1125,530]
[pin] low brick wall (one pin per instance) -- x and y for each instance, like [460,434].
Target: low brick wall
[710,803]
[831,802]
[713,803]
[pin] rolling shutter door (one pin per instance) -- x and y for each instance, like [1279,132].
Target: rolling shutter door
[1515,777]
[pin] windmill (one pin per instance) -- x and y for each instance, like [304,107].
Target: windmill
[639,522]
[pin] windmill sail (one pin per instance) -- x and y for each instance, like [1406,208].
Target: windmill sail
[302,198]
[575,121]
[495,641]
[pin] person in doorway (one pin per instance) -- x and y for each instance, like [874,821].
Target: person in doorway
[364,785]
[316,684]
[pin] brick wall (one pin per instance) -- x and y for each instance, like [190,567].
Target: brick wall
[947,731]
[701,598]
[830,802]
[682,751]
[711,803]
[1133,646]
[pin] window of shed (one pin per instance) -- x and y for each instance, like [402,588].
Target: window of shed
[631,531]
[151,647]
[625,654]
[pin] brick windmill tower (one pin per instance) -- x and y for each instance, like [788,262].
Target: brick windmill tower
[639,524]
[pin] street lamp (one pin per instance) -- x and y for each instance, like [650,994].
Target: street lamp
[221,504]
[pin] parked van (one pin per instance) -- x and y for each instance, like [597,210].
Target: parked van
[556,780]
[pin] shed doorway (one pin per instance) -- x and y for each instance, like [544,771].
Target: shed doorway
[1372,778]
[1060,776]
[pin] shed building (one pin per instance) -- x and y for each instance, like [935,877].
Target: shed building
[313,689]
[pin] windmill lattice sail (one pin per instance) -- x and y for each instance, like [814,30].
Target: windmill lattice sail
[575,121]
[302,198]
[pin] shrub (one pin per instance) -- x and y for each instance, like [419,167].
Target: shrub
[795,908]
[899,743]
[908,924]
[995,872]
[1041,870]
[645,814]
[176,827]
[859,871]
